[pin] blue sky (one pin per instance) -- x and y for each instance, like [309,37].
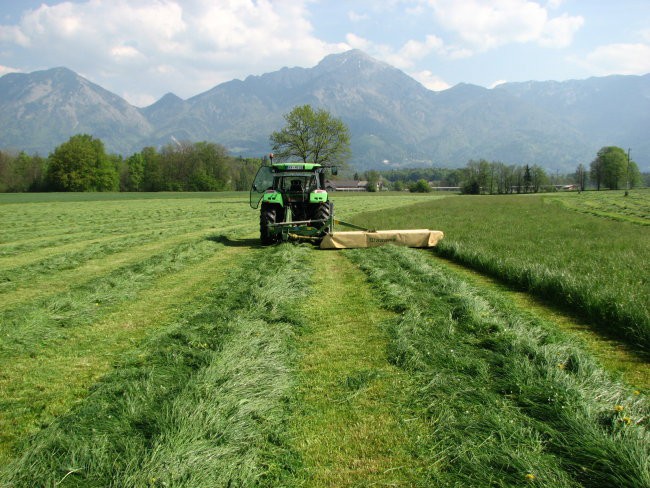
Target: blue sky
[142,49]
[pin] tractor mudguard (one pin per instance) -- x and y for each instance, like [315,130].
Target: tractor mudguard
[318,196]
[272,196]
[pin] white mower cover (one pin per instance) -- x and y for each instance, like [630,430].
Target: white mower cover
[361,239]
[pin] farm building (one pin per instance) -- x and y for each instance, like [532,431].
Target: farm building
[346,185]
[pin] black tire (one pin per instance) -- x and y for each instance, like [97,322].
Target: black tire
[323,211]
[269,214]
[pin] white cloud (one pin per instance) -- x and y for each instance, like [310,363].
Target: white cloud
[558,32]
[624,59]
[7,69]
[412,51]
[497,83]
[358,42]
[487,25]
[155,46]
[429,80]
[356,17]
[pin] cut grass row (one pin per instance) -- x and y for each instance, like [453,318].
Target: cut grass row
[635,207]
[509,399]
[615,356]
[200,403]
[38,337]
[592,266]
[41,225]
[486,396]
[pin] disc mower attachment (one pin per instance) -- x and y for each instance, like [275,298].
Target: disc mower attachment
[362,239]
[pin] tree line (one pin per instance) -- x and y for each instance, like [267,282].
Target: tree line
[610,169]
[82,164]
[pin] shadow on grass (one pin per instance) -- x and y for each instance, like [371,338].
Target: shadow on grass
[252,243]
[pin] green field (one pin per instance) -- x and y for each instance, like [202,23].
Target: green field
[148,340]
[592,265]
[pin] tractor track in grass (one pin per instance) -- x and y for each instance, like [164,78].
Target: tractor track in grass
[349,424]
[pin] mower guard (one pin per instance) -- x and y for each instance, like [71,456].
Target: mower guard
[362,238]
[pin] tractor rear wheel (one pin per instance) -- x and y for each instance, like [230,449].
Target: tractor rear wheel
[269,214]
[323,211]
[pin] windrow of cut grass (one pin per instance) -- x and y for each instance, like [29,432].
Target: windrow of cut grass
[202,402]
[35,226]
[635,207]
[509,400]
[591,266]
[32,323]
[43,331]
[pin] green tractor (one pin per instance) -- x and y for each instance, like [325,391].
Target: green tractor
[294,202]
[295,205]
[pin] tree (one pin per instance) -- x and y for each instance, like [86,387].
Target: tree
[134,173]
[81,164]
[634,175]
[538,178]
[581,176]
[477,175]
[313,137]
[420,186]
[528,179]
[373,177]
[609,168]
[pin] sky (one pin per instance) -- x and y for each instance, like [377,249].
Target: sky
[143,49]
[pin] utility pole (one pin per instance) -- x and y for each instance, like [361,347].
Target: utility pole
[627,174]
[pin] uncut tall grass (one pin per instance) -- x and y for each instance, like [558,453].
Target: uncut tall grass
[591,265]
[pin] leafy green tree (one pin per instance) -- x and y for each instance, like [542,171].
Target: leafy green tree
[420,186]
[538,178]
[243,173]
[81,164]
[477,176]
[152,172]
[398,185]
[313,136]
[134,175]
[634,175]
[528,179]
[609,169]
[373,177]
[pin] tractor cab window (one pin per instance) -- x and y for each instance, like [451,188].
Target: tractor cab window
[296,183]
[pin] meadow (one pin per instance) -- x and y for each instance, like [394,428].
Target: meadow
[585,252]
[148,340]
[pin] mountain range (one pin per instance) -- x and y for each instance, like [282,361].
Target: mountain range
[394,120]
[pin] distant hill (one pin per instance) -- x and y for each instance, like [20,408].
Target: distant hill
[40,110]
[391,116]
